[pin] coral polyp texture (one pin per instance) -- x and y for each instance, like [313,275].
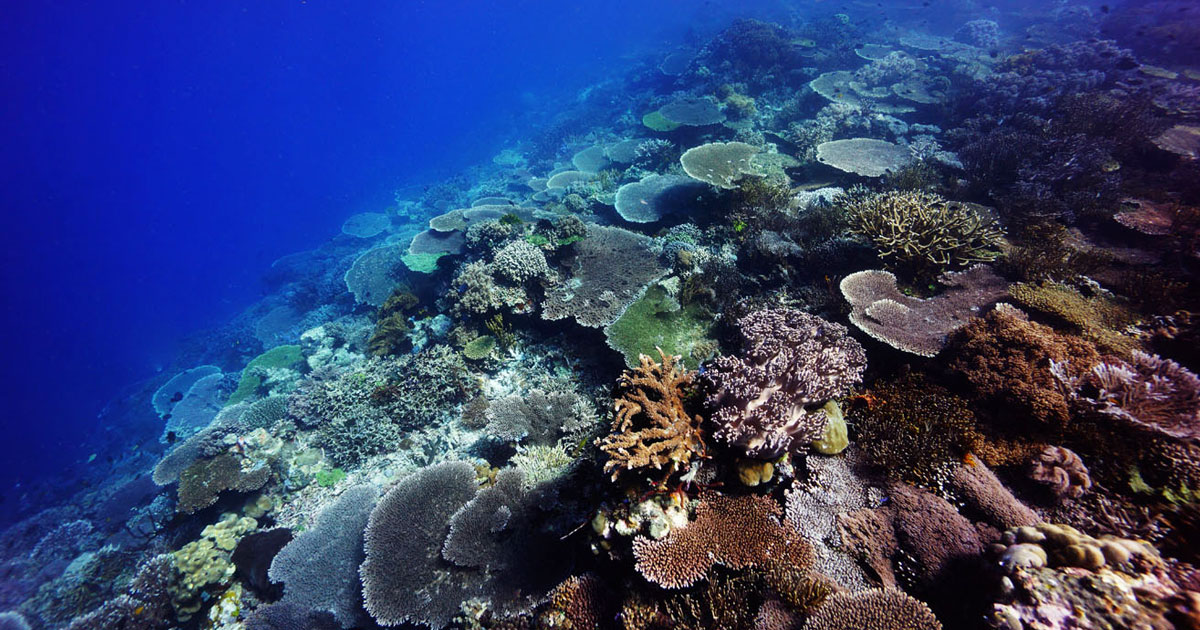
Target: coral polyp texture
[882,609]
[738,533]
[767,400]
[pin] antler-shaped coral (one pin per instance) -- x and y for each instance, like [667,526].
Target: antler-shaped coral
[652,429]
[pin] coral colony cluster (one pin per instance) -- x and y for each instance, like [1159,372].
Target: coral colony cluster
[808,327]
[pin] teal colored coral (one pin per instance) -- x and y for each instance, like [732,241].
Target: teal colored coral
[252,380]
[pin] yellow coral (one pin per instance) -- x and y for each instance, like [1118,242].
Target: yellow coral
[1100,319]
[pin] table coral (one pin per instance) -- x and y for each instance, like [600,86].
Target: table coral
[738,533]
[652,428]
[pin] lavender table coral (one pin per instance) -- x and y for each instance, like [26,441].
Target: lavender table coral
[767,401]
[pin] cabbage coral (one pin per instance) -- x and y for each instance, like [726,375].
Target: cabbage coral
[652,429]
[924,231]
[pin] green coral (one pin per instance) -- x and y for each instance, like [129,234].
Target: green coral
[480,347]
[658,320]
[422,263]
[253,377]
[330,478]
[836,436]
[205,563]
[923,232]
[656,121]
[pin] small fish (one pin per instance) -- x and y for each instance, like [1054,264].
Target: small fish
[91,458]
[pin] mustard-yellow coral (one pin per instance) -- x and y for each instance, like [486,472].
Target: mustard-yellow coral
[652,429]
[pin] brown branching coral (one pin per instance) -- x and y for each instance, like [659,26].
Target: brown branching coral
[580,602]
[923,231]
[652,428]
[876,609]
[737,532]
[915,429]
[1099,317]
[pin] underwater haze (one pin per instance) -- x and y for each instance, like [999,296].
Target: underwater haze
[777,314]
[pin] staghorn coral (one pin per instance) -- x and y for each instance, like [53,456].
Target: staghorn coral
[1061,471]
[875,609]
[736,532]
[1148,392]
[319,568]
[924,232]
[767,401]
[652,428]
[919,326]
[915,430]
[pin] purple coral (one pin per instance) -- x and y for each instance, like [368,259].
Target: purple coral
[767,400]
[1150,392]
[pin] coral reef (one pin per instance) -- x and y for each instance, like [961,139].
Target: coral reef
[919,326]
[738,533]
[879,609]
[1148,392]
[319,567]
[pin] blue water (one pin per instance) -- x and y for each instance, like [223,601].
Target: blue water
[157,157]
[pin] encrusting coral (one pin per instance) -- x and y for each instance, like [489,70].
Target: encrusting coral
[652,429]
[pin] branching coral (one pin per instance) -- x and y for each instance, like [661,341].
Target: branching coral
[736,532]
[768,400]
[1099,316]
[1005,358]
[652,428]
[923,231]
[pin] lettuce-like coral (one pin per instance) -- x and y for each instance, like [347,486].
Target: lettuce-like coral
[768,400]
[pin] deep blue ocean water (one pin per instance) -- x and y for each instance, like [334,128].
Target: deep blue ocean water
[157,157]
